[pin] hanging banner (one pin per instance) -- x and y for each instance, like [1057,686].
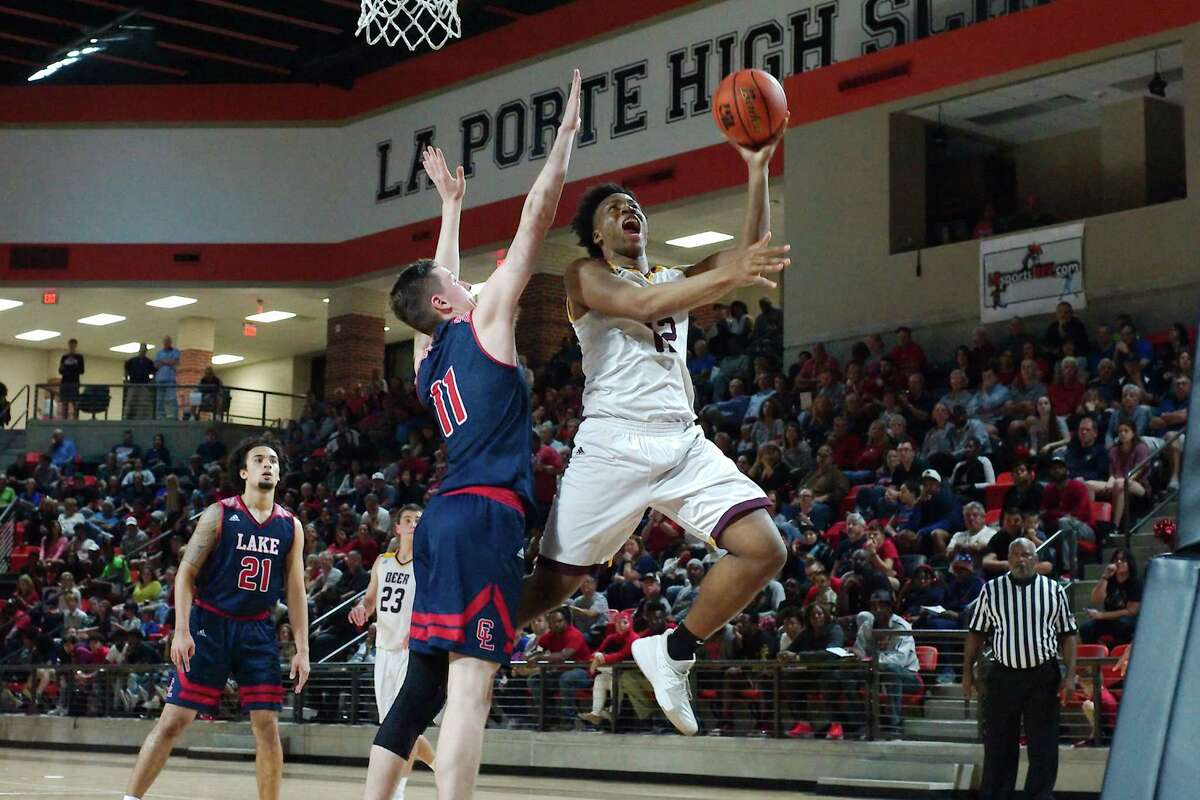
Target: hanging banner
[1030,273]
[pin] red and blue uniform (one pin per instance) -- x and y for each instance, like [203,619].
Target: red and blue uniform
[467,549]
[238,587]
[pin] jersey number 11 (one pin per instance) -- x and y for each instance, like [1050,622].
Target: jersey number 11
[448,386]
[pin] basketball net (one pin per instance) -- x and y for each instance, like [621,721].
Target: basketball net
[412,21]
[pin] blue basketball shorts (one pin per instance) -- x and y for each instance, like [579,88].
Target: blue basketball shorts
[246,649]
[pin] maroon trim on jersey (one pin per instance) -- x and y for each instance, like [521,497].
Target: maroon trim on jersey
[737,512]
[498,493]
[220,613]
[479,344]
[276,512]
[564,569]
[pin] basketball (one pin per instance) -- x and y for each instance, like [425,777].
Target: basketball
[750,107]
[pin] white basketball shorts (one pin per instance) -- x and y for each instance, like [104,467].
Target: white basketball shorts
[619,469]
[391,666]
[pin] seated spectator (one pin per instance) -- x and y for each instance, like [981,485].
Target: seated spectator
[1065,327]
[46,476]
[366,544]
[212,450]
[769,425]
[1131,346]
[62,453]
[917,405]
[975,538]
[327,576]
[341,544]
[74,618]
[995,560]
[937,509]
[158,456]
[1119,591]
[921,593]
[817,422]
[959,394]
[376,518]
[1024,392]
[147,590]
[1134,373]
[810,513]
[652,597]
[728,414]
[853,538]
[616,646]
[1046,432]
[126,450]
[1086,457]
[973,473]
[1131,410]
[212,393]
[688,594]
[1127,452]
[859,583]
[83,548]
[589,608]
[828,483]
[987,405]
[768,470]
[822,588]
[1172,417]
[8,495]
[884,557]
[797,452]
[907,355]
[1067,507]
[356,575]
[896,656]
[133,538]
[938,447]
[563,643]
[1067,390]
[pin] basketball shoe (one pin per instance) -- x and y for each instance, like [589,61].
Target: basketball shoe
[669,678]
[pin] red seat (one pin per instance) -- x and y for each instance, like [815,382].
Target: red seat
[1101,512]
[993,495]
[834,534]
[992,516]
[1004,479]
[32,458]
[927,657]
[915,698]
[1119,650]
[849,500]
[1091,651]
[708,694]
[89,481]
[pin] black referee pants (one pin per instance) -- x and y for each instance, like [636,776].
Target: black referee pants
[1014,695]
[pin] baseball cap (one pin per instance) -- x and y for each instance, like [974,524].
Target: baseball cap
[378,476]
[963,559]
[131,520]
[1058,460]
[932,473]
[882,596]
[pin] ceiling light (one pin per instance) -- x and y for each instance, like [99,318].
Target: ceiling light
[700,239]
[324,299]
[171,301]
[270,316]
[387,328]
[38,335]
[101,319]
[6,305]
[130,347]
[226,358]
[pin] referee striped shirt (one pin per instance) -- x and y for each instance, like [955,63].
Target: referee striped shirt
[1025,622]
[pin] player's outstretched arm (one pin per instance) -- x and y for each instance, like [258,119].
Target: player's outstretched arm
[365,607]
[297,603]
[600,289]
[757,222]
[451,188]
[195,554]
[498,301]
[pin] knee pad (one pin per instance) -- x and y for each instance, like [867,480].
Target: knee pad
[419,701]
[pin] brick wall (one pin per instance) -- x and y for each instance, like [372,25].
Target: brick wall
[192,364]
[353,350]
[543,320]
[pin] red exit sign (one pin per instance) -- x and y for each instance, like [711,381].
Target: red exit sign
[50,297]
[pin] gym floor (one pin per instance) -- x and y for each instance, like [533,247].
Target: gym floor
[47,774]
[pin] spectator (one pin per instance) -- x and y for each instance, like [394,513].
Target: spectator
[959,394]
[8,495]
[562,644]
[1127,452]
[328,575]
[975,538]
[1025,391]
[1067,390]
[356,576]
[547,467]
[987,405]
[885,559]
[768,470]
[134,538]
[126,450]
[896,656]
[907,355]
[158,456]
[166,397]
[74,618]
[995,560]
[917,404]
[635,686]
[728,414]
[139,395]
[5,407]
[687,595]
[62,453]
[366,544]
[854,536]
[797,452]
[1086,457]
[589,609]
[212,394]
[965,585]
[616,646]
[859,584]
[769,425]
[54,546]
[973,473]
[1131,410]
[147,590]
[827,483]
[1106,382]
[70,368]
[1119,591]
[212,450]
[1065,327]
[1047,432]
[938,512]
[1067,506]
[1132,346]
[651,598]
[1172,418]
[1025,493]
[377,519]
[388,496]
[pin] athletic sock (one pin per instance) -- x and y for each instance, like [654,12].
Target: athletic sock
[682,644]
[131,797]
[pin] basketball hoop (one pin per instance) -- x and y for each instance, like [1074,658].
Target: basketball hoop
[411,21]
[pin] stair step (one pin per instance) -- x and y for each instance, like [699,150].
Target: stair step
[950,710]
[942,730]
[925,787]
[945,691]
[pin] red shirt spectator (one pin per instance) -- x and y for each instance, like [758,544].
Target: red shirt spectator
[834,583]
[548,465]
[907,355]
[846,448]
[617,646]
[565,637]
[1064,497]
[659,533]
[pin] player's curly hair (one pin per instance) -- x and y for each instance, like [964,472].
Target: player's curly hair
[583,223]
[411,293]
[237,462]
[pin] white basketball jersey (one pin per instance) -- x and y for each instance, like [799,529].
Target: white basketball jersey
[394,603]
[636,370]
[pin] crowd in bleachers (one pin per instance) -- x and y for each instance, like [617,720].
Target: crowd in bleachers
[896,483]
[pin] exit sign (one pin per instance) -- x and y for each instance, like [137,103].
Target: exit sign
[50,297]
[249,330]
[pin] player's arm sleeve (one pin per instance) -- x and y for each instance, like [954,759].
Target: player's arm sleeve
[297,599]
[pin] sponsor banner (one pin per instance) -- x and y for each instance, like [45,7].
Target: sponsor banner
[1031,273]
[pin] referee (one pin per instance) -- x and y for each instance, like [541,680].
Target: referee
[1028,619]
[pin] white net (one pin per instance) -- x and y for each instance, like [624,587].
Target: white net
[412,21]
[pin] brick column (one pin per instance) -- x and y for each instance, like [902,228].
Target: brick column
[543,320]
[354,341]
[196,340]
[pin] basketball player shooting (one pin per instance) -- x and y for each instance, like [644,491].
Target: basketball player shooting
[245,552]
[389,598]
[639,445]
[467,547]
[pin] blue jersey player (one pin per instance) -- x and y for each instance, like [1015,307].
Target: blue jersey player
[466,550]
[245,553]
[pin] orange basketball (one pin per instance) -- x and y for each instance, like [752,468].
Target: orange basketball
[749,107]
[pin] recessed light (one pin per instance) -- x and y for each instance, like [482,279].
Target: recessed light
[387,328]
[171,301]
[324,299]
[270,316]
[226,358]
[5,305]
[130,347]
[700,239]
[38,335]
[101,319]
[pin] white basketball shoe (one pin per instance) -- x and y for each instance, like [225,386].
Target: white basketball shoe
[669,679]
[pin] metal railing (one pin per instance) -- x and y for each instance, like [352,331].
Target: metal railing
[168,401]
[14,419]
[1124,526]
[816,695]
